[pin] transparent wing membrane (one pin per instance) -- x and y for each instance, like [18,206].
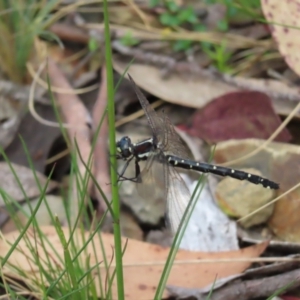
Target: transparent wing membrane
[155,122]
[177,196]
[151,181]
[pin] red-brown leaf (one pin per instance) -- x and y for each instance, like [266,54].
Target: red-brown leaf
[238,115]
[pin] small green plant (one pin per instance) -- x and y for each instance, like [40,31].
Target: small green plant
[20,23]
[93,44]
[238,8]
[129,40]
[176,16]
[220,56]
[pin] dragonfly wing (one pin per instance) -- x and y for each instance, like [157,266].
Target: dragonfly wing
[172,142]
[151,182]
[178,197]
[155,122]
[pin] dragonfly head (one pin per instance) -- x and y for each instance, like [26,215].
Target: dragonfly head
[124,148]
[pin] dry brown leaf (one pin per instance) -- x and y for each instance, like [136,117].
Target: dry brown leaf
[230,192]
[278,162]
[54,203]
[11,112]
[184,90]
[284,17]
[285,222]
[275,89]
[78,120]
[100,128]
[196,91]
[142,268]
[10,186]
[238,115]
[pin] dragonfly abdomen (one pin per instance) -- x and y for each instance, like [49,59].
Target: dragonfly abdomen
[218,170]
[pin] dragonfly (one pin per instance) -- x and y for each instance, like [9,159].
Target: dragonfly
[164,154]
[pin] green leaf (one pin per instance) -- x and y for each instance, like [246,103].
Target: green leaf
[93,44]
[222,25]
[172,6]
[231,11]
[169,20]
[187,15]
[129,40]
[182,45]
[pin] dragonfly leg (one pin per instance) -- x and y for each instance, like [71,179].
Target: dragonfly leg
[136,178]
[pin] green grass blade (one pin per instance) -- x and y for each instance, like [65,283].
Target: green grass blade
[113,161]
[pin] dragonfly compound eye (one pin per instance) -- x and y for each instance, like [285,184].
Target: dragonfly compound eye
[124,147]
